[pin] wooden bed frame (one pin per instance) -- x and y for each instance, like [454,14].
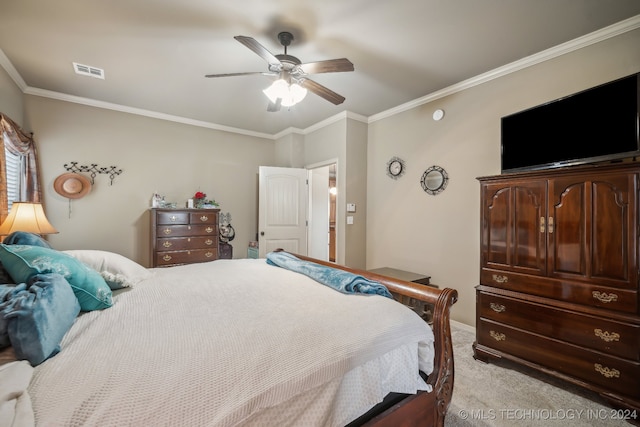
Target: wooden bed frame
[433,305]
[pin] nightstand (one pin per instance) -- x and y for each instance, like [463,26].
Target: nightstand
[407,276]
[423,309]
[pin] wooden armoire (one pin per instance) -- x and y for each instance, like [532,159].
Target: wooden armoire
[559,276]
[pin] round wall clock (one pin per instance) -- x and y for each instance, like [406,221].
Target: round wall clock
[395,167]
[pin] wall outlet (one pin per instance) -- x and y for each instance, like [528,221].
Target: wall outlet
[349,220]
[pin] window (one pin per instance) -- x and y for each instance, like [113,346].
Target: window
[13,164]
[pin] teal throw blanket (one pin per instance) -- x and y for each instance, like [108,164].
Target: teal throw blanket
[340,280]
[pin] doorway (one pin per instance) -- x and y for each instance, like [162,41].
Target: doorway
[323,198]
[297,210]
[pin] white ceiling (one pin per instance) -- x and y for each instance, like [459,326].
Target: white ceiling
[155,53]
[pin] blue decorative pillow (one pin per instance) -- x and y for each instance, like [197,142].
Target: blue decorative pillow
[40,316]
[7,293]
[25,238]
[23,262]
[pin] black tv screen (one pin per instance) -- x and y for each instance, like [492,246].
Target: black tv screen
[595,125]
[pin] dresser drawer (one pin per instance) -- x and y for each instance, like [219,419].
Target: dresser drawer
[172,217]
[186,257]
[182,243]
[186,230]
[613,337]
[591,295]
[609,372]
[203,217]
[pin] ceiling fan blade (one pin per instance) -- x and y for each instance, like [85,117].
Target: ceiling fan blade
[322,91]
[252,44]
[329,66]
[274,106]
[241,74]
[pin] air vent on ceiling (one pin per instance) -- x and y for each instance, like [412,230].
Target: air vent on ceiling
[87,70]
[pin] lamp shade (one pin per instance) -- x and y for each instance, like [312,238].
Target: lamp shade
[290,94]
[29,217]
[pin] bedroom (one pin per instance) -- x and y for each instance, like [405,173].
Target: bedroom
[400,226]
[177,159]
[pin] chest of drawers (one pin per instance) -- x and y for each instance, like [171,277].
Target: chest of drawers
[559,276]
[183,236]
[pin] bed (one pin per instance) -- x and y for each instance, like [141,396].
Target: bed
[245,343]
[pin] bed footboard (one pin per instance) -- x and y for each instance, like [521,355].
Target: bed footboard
[422,409]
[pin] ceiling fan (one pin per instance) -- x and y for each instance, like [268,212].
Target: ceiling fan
[292,73]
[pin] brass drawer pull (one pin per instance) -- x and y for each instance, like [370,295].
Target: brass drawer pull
[204,218]
[606,372]
[209,230]
[604,297]
[173,218]
[167,244]
[606,335]
[498,308]
[500,279]
[208,254]
[550,225]
[167,257]
[542,225]
[167,231]
[497,336]
[208,242]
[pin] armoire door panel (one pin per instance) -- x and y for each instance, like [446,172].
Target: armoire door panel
[610,249]
[513,235]
[568,228]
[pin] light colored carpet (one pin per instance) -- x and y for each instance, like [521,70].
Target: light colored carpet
[504,394]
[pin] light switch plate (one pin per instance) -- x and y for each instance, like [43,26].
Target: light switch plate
[350,220]
[351,207]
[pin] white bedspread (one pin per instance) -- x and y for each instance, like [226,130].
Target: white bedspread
[205,345]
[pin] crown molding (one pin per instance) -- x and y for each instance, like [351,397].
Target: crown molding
[139,111]
[11,70]
[562,49]
[546,55]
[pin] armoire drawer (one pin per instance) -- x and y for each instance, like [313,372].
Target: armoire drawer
[591,295]
[612,373]
[613,337]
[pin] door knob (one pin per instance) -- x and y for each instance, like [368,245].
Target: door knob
[262,233]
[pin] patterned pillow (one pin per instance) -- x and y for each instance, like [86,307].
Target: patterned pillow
[24,261]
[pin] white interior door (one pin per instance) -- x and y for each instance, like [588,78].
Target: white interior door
[282,211]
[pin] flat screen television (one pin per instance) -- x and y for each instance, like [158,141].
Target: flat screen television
[596,125]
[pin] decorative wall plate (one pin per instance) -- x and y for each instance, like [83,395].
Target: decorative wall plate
[434,180]
[395,167]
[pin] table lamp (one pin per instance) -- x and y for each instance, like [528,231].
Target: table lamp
[28,217]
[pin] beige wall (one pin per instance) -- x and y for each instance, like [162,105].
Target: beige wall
[11,99]
[155,155]
[439,235]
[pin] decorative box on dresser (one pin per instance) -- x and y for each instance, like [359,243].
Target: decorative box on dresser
[559,276]
[183,236]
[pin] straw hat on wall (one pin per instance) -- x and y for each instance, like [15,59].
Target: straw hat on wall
[72,185]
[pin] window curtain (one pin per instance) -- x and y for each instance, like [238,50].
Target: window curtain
[17,142]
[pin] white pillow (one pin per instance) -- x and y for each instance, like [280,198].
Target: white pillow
[118,271]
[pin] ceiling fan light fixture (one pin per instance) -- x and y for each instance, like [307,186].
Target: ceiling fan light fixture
[290,94]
